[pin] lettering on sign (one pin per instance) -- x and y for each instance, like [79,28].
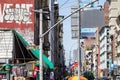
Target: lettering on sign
[16,13]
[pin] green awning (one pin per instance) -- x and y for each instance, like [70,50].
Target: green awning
[2,70]
[35,52]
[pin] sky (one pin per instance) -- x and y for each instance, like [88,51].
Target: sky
[64,10]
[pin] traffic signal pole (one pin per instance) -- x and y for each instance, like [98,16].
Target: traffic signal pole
[79,37]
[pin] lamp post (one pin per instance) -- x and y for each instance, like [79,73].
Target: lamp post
[41,35]
[41,46]
[41,41]
[79,37]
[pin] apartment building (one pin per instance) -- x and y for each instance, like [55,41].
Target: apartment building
[104,44]
[114,23]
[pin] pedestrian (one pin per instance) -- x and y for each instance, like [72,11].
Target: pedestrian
[51,75]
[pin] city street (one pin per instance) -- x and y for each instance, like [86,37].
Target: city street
[59,40]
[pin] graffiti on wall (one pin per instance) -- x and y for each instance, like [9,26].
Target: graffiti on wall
[19,13]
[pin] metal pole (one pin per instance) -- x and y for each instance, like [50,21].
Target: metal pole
[40,46]
[79,34]
[51,34]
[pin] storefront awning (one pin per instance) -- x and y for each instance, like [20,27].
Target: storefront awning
[35,52]
[2,71]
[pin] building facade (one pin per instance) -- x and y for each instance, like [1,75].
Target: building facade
[114,12]
[30,28]
[98,52]
[104,44]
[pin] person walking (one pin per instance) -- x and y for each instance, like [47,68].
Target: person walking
[52,75]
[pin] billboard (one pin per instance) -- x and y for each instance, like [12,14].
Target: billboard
[92,18]
[17,14]
[88,32]
[88,19]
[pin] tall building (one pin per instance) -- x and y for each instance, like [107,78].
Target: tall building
[104,45]
[98,43]
[114,13]
[98,52]
[57,54]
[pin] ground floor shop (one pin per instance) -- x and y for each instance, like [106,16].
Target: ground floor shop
[24,64]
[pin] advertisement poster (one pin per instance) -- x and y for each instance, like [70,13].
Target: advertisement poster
[17,14]
[88,33]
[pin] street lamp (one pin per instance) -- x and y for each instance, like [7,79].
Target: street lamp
[41,41]
[79,37]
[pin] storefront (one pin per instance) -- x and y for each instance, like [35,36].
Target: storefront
[4,73]
[24,71]
[30,69]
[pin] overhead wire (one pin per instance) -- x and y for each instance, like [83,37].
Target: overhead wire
[60,5]
[64,3]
